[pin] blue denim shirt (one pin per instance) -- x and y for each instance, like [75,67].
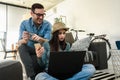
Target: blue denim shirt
[44,60]
[44,30]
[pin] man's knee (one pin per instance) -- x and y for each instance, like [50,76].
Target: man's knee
[22,46]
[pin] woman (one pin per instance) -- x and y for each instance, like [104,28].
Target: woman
[58,43]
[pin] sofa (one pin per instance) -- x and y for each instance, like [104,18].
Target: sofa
[11,70]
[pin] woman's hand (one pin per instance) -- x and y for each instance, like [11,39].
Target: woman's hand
[39,52]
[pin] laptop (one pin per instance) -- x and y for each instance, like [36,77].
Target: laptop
[63,65]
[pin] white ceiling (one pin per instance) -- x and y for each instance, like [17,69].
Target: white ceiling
[27,3]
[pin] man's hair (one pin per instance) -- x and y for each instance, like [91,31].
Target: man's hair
[37,5]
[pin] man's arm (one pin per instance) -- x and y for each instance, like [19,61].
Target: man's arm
[42,40]
[46,37]
[47,33]
[23,35]
[37,38]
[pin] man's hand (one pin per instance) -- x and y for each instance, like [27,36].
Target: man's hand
[25,38]
[37,38]
[26,35]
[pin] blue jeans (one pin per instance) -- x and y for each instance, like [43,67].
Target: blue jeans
[86,73]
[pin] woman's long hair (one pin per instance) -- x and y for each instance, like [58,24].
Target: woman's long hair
[55,43]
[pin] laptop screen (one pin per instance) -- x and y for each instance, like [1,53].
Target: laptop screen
[63,65]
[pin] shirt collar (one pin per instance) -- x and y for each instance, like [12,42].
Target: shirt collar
[34,24]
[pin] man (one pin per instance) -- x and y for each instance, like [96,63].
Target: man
[34,30]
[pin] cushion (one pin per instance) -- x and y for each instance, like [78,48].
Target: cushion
[81,45]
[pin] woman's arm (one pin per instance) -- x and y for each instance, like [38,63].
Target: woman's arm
[43,55]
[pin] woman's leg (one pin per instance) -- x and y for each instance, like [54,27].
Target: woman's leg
[44,76]
[85,74]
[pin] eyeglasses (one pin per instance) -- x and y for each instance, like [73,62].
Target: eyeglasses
[38,14]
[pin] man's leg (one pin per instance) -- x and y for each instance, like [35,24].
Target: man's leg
[25,56]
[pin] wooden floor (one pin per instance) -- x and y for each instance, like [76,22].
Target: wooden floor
[101,75]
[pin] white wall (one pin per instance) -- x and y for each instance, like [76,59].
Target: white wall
[11,18]
[98,16]
[15,16]
[3,17]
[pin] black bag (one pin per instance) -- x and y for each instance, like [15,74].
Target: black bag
[91,58]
